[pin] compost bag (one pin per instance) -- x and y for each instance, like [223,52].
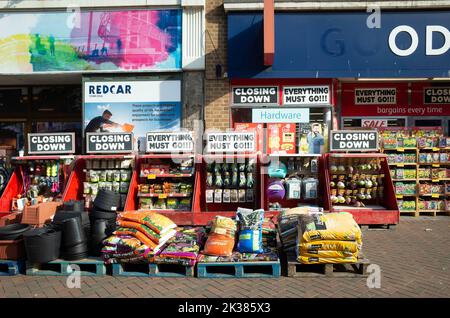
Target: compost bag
[156,222]
[331,226]
[250,230]
[221,238]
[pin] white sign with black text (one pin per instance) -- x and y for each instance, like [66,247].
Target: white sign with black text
[170,142]
[306,95]
[51,143]
[231,142]
[375,96]
[109,142]
[354,140]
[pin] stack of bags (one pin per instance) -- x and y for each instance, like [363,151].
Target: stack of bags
[183,248]
[328,238]
[125,249]
[142,232]
[269,233]
[221,237]
[287,226]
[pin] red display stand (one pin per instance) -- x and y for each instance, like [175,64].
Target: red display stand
[205,212]
[383,210]
[15,183]
[74,188]
[180,217]
[292,203]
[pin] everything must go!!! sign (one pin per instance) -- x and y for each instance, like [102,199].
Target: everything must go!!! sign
[109,143]
[170,142]
[231,142]
[51,143]
[354,140]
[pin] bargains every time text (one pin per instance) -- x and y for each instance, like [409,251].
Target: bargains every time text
[418,111]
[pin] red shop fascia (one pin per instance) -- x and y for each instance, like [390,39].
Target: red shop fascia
[407,104]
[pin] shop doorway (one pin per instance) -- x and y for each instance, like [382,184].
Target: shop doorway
[37,109]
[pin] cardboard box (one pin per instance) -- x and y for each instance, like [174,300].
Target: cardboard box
[40,213]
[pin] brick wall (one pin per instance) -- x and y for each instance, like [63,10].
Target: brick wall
[216,90]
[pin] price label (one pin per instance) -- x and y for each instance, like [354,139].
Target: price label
[401,149]
[151,176]
[435,165]
[435,180]
[162,196]
[435,149]
[399,196]
[400,165]
[435,195]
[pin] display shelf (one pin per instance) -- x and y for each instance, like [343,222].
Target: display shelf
[404,180]
[47,157]
[400,196]
[164,195]
[167,175]
[382,207]
[432,195]
[433,163]
[400,149]
[401,164]
[83,164]
[182,213]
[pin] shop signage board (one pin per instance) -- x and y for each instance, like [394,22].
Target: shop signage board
[51,143]
[306,95]
[374,123]
[109,143]
[375,96]
[354,140]
[436,95]
[231,142]
[137,106]
[170,142]
[342,44]
[255,95]
[280,115]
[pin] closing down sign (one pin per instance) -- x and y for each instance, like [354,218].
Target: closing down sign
[51,143]
[356,140]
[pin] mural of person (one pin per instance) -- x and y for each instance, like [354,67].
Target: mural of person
[119,45]
[51,41]
[315,139]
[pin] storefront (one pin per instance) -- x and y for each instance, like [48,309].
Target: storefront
[392,79]
[51,55]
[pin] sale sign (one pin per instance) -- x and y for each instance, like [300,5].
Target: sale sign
[374,123]
[306,95]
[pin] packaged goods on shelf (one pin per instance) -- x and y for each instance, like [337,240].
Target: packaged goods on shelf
[405,188]
[165,186]
[291,182]
[43,181]
[406,205]
[356,181]
[318,229]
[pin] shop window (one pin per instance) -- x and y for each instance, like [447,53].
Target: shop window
[60,126]
[11,137]
[373,122]
[283,137]
[57,99]
[13,100]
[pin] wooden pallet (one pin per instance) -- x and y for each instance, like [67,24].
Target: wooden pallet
[379,226]
[239,270]
[88,267]
[297,269]
[152,270]
[11,267]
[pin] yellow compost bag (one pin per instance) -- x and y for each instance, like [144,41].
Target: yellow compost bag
[330,226]
[325,260]
[327,254]
[344,246]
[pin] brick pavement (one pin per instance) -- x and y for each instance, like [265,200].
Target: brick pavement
[414,263]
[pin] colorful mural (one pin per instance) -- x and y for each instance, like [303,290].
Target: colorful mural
[90,41]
